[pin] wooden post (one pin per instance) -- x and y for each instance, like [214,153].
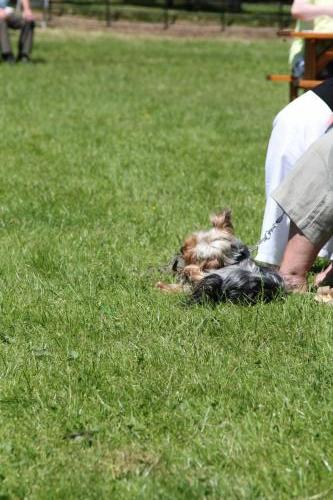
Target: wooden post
[223,15]
[310,59]
[50,11]
[167,5]
[108,13]
[280,15]
[46,12]
[293,89]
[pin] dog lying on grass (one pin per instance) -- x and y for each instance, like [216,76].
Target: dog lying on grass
[214,265]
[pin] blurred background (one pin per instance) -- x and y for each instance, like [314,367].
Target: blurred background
[223,12]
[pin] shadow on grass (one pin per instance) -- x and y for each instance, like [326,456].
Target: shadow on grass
[32,62]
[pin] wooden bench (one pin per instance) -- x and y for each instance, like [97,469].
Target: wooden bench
[316,58]
[295,84]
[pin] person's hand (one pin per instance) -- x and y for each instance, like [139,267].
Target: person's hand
[3,14]
[28,15]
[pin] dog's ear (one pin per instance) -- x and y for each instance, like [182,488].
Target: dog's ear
[222,220]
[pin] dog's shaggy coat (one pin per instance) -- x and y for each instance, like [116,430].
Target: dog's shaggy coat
[245,282]
[214,265]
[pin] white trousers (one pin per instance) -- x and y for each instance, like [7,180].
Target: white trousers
[295,128]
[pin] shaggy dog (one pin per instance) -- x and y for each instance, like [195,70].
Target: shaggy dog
[245,282]
[206,250]
[214,265]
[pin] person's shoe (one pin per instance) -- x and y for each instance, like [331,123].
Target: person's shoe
[24,58]
[8,58]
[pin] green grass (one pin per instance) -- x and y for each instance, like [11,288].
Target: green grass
[112,151]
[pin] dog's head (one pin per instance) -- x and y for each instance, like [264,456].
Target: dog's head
[212,249]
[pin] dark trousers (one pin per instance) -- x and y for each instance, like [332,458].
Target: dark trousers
[16,22]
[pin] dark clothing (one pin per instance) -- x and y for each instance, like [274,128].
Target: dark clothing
[16,22]
[325,92]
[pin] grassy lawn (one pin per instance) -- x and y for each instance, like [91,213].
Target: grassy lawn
[112,150]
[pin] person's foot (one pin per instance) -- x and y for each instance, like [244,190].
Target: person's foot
[8,58]
[24,58]
[325,278]
[294,283]
[299,255]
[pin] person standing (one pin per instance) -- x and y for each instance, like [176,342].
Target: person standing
[314,15]
[23,22]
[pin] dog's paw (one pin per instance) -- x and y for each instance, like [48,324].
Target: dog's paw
[169,287]
[193,272]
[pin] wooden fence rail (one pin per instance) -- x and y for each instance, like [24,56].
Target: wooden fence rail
[275,12]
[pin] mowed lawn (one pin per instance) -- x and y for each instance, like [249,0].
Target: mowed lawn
[112,151]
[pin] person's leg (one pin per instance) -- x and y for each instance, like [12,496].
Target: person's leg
[306,195]
[297,260]
[16,22]
[5,45]
[295,128]
[26,40]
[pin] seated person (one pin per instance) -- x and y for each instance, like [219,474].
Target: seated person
[306,196]
[295,129]
[25,22]
[314,15]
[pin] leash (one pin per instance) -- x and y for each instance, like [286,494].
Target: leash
[267,234]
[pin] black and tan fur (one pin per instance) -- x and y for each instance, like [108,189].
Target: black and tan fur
[214,265]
